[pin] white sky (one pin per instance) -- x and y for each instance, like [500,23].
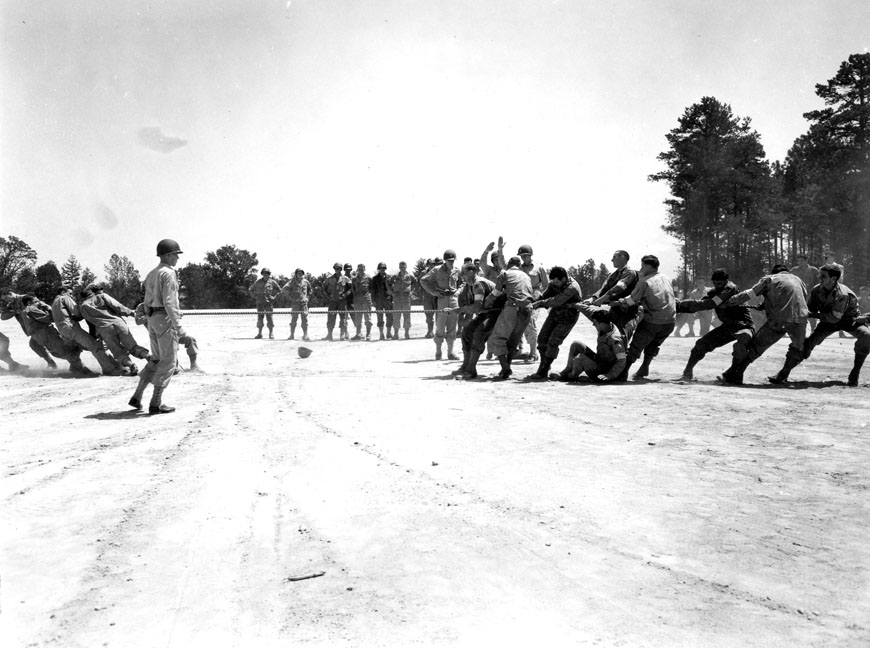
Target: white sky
[368,130]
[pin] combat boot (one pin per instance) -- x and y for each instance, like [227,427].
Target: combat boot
[694,358]
[389,333]
[450,354]
[292,333]
[369,332]
[438,352]
[259,335]
[407,334]
[156,406]
[381,334]
[642,371]
[792,359]
[271,335]
[543,372]
[505,362]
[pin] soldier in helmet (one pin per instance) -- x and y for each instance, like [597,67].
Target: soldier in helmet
[164,328]
[298,291]
[361,288]
[265,290]
[401,287]
[336,287]
[383,301]
[442,283]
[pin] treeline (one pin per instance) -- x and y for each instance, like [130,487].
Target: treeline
[729,207]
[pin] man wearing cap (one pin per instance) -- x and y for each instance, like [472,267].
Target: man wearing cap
[361,287]
[382,300]
[736,320]
[298,293]
[106,313]
[336,288]
[442,283]
[39,320]
[516,286]
[164,328]
[655,293]
[560,296]
[11,307]
[265,290]
[401,287]
[785,305]
[66,314]
[836,308]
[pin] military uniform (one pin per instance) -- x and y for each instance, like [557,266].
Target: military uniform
[66,316]
[41,326]
[11,307]
[618,284]
[104,312]
[383,301]
[336,288]
[361,285]
[736,321]
[655,294]
[442,283]
[298,293]
[607,361]
[265,290]
[401,288]
[785,306]
[561,318]
[516,286]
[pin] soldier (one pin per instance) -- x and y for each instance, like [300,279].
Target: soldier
[560,296]
[538,275]
[836,308]
[382,300]
[265,290]
[516,286]
[41,325]
[105,313]
[336,289]
[430,303]
[442,283]
[492,269]
[785,305]
[655,293]
[618,284]
[298,292]
[864,299]
[66,315]
[736,320]
[11,307]
[361,286]
[478,330]
[401,287]
[184,338]
[164,328]
[606,363]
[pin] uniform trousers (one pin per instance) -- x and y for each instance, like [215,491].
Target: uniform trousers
[556,328]
[164,351]
[508,331]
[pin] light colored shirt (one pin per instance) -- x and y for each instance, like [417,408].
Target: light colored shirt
[656,294]
[161,291]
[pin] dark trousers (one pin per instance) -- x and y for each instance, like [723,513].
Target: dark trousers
[556,328]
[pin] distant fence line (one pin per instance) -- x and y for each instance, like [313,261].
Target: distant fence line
[319,310]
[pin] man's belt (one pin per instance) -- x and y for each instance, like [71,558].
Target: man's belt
[155,309]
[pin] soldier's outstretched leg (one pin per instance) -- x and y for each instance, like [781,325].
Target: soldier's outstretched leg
[856,369]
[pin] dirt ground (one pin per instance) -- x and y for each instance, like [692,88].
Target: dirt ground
[426,511]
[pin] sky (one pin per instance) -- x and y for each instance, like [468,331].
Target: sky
[360,131]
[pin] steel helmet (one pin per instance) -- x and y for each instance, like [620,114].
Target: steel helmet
[449,254]
[265,271]
[525,249]
[299,271]
[168,246]
[336,266]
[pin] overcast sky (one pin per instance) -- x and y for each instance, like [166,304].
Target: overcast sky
[361,131]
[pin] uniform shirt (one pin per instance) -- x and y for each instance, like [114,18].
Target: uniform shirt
[38,315]
[297,290]
[14,308]
[516,286]
[336,289]
[733,317]
[809,275]
[103,310]
[161,291]
[656,294]
[618,284]
[864,303]
[381,288]
[833,306]
[265,290]
[785,297]
[610,349]
[441,281]
[560,299]
[538,275]
[401,285]
[362,287]
[65,312]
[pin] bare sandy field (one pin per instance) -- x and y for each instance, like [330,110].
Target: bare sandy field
[361,497]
